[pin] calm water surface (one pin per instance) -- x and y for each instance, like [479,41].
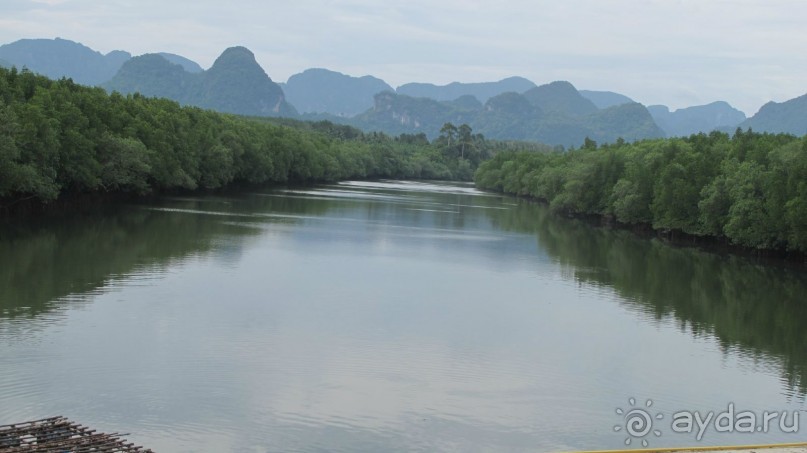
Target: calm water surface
[384,316]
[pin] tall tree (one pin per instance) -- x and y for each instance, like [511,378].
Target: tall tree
[449,131]
[465,138]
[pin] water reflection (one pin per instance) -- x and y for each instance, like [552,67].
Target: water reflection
[42,263]
[758,309]
[371,316]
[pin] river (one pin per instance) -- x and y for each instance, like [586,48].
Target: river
[386,316]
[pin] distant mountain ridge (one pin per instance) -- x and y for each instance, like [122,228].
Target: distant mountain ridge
[399,114]
[700,118]
[234,84]
[789,117]
[605,99]
[560,97]
[57,58]
[481,91]
[188,65]
[512,108]
[152,75]
[555,114]
[319,90]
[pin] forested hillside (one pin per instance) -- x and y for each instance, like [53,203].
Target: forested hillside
[750,188]
[235,83]
[554,114]
[58,137]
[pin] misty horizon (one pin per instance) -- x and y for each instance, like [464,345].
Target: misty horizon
[676,54]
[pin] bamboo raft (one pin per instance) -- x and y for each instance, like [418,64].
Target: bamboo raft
[58,434]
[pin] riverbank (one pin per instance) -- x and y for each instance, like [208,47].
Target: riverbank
[711,244]
[744,190]
[59,139]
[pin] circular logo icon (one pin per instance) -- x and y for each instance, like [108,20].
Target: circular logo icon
[638,422]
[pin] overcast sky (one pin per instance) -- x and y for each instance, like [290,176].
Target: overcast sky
[673,52]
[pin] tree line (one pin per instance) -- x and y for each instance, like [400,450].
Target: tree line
[58,137]
[749,189]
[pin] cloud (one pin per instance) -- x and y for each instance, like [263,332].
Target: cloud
[674,52]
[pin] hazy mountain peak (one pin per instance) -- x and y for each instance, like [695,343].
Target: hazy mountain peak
[120,55]
[560,97]
[319,90]
[150,75]
[236,56]
[187,64]
[481,90]
[235,83]
[605,99]
[311,72]
[696,119]
[57,58]
[151,58]
[789,117]
[561,84]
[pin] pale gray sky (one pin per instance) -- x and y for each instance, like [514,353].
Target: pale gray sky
[673,52]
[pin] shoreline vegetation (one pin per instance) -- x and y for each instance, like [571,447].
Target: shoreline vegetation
[747,192]
[60,140]
[64,146]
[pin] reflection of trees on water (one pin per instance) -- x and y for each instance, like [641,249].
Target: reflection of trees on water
[760,309]
[44,261]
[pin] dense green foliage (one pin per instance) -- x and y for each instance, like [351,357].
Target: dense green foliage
[234,84]
[750,188]
[566,115]
[58,137]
